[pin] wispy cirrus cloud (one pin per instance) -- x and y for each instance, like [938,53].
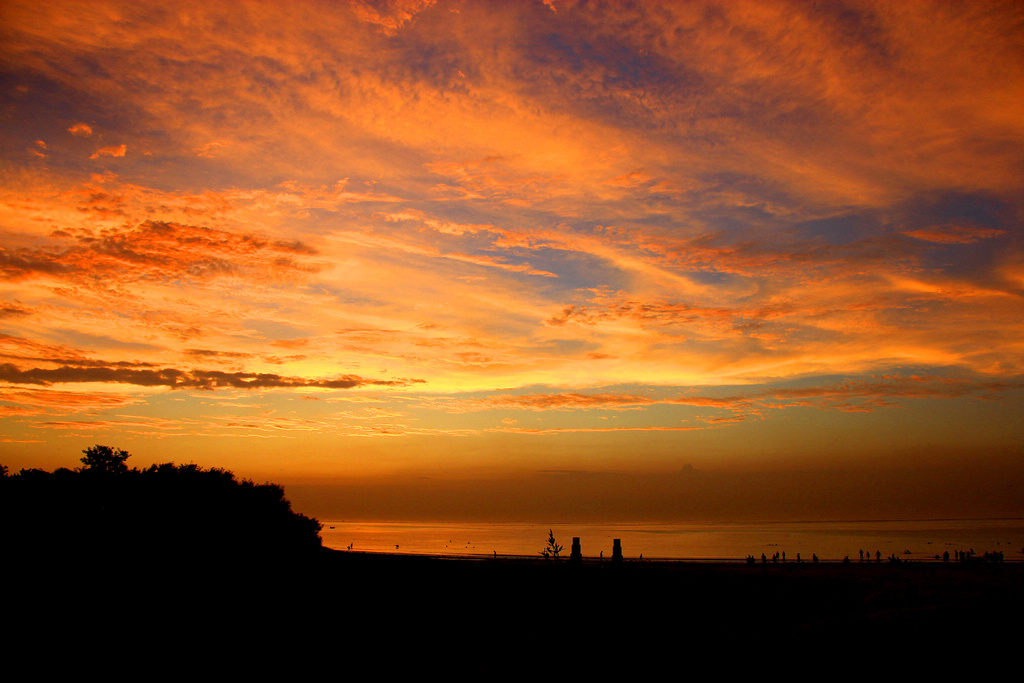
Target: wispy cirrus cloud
[594,430]
[39,401]
[867,393]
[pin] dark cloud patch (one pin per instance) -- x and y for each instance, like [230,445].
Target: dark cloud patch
[41,107]
[963,235]
[982,210]
[839,230]
[13,311]
[293,246]
[21,263]
[156,251]
[584,63]
[82,362]
[856,27]
[183,379]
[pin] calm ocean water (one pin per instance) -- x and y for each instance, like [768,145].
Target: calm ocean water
[829,540]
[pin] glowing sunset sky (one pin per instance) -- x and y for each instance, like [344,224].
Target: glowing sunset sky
[522,258]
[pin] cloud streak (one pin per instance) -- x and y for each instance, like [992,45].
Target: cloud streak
[153,251]
[183,379]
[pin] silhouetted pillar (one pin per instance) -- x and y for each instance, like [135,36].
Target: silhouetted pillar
[616,550]
[576,556]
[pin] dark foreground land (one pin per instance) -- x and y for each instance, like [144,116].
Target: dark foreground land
[462,605]
[660,604]
[149,569]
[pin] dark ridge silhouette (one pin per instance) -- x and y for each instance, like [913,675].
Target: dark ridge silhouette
[104,512]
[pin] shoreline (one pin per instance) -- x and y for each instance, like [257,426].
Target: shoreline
[487,602]
[728,561]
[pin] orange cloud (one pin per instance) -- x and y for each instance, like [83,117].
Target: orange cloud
[36,401]
[563,401]
[594,430]
[156,250]
[111,151]
[391,17]
[954,234]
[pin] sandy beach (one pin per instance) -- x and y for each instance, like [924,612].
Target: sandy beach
[663,601]
[603,616]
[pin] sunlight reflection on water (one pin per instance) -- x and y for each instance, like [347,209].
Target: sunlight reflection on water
[829,540]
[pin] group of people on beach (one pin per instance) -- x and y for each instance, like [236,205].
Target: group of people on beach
[781,557]
[778,557]
[969,556]
[958,556]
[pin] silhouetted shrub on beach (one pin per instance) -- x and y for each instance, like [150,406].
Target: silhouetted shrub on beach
[169,512]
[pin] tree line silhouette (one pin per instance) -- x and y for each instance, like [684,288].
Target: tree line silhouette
[103,509]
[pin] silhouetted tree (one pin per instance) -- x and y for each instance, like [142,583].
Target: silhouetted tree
[104,511]
[552,549]
[105,459]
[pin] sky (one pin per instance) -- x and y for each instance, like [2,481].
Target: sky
[507,260]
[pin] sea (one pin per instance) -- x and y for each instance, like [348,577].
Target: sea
[829,541]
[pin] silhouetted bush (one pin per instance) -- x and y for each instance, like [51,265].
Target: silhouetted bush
[168,511]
